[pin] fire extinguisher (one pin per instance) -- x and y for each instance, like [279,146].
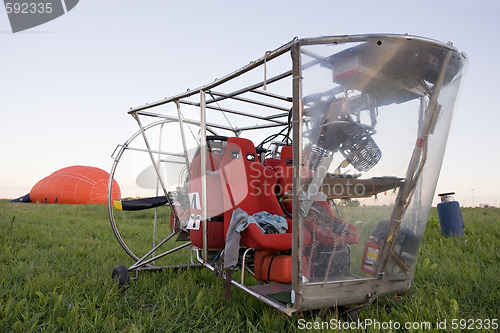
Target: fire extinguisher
[372,248]
[370,255]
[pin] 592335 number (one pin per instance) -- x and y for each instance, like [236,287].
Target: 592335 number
[474,324]
[28,7]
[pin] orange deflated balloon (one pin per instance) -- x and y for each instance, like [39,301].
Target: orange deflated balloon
[75,185]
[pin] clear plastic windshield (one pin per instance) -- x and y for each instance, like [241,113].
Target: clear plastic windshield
[375,119]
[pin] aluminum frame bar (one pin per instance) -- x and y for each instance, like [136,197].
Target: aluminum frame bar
[297,225]
[181,125]
[154,151]
[160,255]
[369,37]
[257,85]
[187,121]
[235,112]
[246,128]
[251,101]
[272,95]
[204,152]
[155,247]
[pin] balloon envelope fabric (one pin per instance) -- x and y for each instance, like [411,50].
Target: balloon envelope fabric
[75,185]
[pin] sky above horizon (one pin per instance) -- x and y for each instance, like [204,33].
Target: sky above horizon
[66,85]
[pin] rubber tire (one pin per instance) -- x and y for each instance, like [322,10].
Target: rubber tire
[120,275]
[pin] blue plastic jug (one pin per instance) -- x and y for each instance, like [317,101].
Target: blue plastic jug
[450,216]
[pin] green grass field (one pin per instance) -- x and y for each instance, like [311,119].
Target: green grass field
[56,263]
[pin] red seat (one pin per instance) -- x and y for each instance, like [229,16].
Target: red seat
[213,162]
[284,170]
[249,185]
[272,163]
[215,207]
[215,211]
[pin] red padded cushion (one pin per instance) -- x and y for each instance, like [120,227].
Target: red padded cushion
[249,185]
[215,206]
[285,169]
[213,162]
[272,163]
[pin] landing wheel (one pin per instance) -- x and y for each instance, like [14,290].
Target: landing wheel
[120,275]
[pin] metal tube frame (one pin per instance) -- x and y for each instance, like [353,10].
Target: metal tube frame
[248,100]
[181,126]
[155,247]
[204,152]
[187,121]
[143,263]
[297,225]
[239,112]
[155,152]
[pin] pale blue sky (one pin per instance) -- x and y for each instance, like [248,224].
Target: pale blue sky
[66,85]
